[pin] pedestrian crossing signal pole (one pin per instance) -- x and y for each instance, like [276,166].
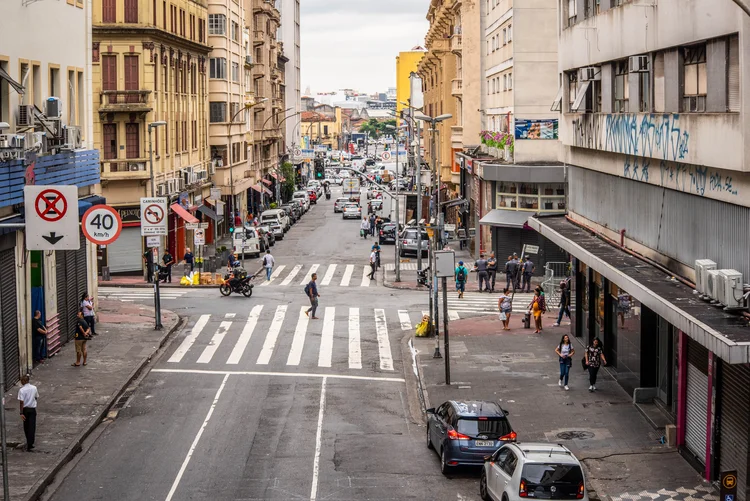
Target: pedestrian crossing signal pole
[445,333]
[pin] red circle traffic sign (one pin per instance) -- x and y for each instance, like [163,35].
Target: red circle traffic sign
[96,230]
[156,212]
[51,210]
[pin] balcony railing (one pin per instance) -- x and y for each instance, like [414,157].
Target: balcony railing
[456,44]
[457,87]
[124,100]
[259,37]
[130,168]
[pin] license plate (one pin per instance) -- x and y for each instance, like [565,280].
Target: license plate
[484,443]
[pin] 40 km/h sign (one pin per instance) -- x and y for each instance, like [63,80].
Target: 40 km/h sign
[101,224]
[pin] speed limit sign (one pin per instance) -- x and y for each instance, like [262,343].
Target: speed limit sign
[101,224]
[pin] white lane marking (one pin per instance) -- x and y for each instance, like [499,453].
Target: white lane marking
[316,461]
[403,317]
[185,463]
[280,374]
[329,274]
[308,276]
[230,315]
[291,275]
[208,351]
[272,336]
[298,342]
[274,275]
[355,349]
[453,315]
[365,278]
[189,339]
[384,344]
[326,338]
[247,332]
[347,275]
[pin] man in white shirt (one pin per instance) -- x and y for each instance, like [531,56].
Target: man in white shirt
[27,397]
[373,264]
[268,263]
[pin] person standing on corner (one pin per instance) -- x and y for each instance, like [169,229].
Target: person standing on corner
[268,264]
[311,289]
[148,258]
[564,303]
[480,266]
[28,396]
[528,270]
[89,315]
[462,274]
[492,271]
[565,351]
[168,261]
[189,258]
[509,272]
[82,334]
[594,360]
[505,304]
[39,337]
[537,308]
[517,272]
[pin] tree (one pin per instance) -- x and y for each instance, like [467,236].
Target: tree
[377,128]
[289,173]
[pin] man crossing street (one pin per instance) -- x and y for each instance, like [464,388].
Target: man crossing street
[268,263]
[373,264]
[312,292]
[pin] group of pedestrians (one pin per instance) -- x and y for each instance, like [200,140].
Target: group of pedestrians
[518,273]
[370,226]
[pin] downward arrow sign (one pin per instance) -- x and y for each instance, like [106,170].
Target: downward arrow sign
[52,237]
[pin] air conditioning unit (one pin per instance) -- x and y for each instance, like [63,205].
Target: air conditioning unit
[5,140]
[212,167]
[701,274]
[181,184]
[53,107]
[25,115]
[161,190]
[638,64]
[72,137]
[712,285]
[248,59]
[171,186]
[730,288]
[589,73]
[136,166]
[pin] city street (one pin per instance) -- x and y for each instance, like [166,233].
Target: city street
[253,400]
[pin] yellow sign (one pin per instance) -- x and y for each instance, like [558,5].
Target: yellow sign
[729,481]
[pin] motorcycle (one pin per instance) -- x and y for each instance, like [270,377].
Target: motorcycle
[239,283]
[422,278]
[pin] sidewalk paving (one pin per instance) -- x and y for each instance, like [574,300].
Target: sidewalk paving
[621,452]
[74,400]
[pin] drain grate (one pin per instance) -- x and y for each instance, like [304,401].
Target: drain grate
[575,435]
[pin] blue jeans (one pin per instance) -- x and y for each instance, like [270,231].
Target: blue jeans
[269,270]
[565,370]
[563,309]
[460,286]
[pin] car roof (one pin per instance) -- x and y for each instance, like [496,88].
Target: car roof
[543,452]
[477,408]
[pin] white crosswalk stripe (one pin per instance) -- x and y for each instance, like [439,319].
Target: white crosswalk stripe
[247,332]
[139,293]
[326,338]
[276,273]
[355,348]
[481,302]
[309,274]
[190,339]
[329,275]
[347,275]
[384,345]
[403,317]
[272,336]
[291,275]
[403,267]
[208,352]
[365,276]
[298,342]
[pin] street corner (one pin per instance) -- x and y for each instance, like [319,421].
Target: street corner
[113,312]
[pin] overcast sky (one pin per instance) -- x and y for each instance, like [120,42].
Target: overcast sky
[354,43]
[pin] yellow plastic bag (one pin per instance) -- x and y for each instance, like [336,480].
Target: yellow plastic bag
[423,327]
[196,279]
[184,281]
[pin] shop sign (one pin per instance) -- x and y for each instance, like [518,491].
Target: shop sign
[728,487]
[130,214]
[469,165]
[536,129]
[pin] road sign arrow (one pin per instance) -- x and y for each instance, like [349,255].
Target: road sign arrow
[52,238]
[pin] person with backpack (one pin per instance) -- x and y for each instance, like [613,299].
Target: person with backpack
[462,274]
[311,291]
[564,303]
[268,264]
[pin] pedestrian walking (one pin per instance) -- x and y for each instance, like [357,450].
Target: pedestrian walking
[268,264]
[82,334]
[480,266]
[373,264]
[148,259]
[492,270]
[527,270]
[311,289]
[376,248]
[89,315]
[189,258]
[168,261]
[462,274]
[364,228]
[505,305]
[28,397]
[564,303]
[372,224]
[594,360]
[565,351]
[38,337]
[537,308]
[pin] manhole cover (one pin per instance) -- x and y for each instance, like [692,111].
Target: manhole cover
[575,435]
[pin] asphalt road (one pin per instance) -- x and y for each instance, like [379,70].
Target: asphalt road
[253,400]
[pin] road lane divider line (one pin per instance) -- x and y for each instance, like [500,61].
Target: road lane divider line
[180,352]
[298,341]
[384,344]
[272,336]
[347,275]
[365,278]
[213,345]
[274,275]
[403,317]
[326,338]
[247,332]
[291,275]
[309,274]
[318,437]
[185,463]
[280,374]
[355,347]
[329,274]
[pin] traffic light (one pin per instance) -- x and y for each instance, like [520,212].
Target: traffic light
[231,229]
[319,169]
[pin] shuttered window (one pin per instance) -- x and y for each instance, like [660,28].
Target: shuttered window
[132,141]
[131,11]
[131,78]
[109,132]
[109,11]
[109,72]
[733,75]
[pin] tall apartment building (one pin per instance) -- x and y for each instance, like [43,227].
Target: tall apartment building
[150,64]
[290,36]
[653,122]
[46,138]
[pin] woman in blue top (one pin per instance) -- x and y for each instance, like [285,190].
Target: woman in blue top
[565,351]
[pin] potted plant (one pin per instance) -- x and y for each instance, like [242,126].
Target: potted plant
[535,205]
[513,204]
[561,191]
[502,203]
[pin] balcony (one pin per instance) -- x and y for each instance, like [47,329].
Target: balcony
[457,136]
[259,37]
[275,72]
[124,101]
[259,70]
[457,87]
[456,44]
[269,8]
[124,169]
[278,103]
[248,61]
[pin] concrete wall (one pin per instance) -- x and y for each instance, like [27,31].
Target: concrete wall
[471,64]
[290,36]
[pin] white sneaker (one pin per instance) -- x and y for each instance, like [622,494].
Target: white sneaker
[566,387]
[591,388]
[559,383]
[555,324]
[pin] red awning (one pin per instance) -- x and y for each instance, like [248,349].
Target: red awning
[180,211]
[273,175]
[266,182]
[268,192]
[257,188]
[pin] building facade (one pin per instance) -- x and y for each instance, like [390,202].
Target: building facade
[150,64]
[406,64]
[653,118]
[46,138]
[290,36]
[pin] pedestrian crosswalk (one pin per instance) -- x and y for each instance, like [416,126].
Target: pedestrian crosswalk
[403,267]
[336,275]
[130,294]
[483,302]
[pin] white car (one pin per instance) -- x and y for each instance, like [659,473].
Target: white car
[278,230]
[303,197]
[340,203]
[519,471]
[352,210]
[336,180]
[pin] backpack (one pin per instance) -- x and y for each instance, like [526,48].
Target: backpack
[307,290]
[461,275]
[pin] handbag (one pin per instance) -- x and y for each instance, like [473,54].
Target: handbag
[361,233]
[584,364]
[503,316]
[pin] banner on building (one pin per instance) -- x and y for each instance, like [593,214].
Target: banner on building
[536,129]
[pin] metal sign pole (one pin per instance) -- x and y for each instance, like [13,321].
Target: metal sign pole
[445,332]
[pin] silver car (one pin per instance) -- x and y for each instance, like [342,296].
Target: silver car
[340,203]
[352,210]
[278,230]
[408,239]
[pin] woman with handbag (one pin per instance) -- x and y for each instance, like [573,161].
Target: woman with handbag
[594,360]
[565,351]
[505,305]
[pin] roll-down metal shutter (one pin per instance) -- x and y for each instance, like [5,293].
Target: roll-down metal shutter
[71,284]
[71,291]
[62,295]
[125,254]
[734,428]
[697,400]
[8,313]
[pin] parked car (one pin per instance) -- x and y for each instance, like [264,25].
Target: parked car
[303,197]
[466,432]
[387,234]
[300,205]
[409,242]
[277,229]
[352,211]
[245,241]
[290,212]
[313,196]
[276,216]
[519,471]
[376,205]
[339,204]
[337,180]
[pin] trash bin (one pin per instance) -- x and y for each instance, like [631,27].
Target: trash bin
[527,320]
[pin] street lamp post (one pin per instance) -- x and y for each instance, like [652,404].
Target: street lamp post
[155,269]
[398,212]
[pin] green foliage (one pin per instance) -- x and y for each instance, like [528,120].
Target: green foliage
[376,128]
[273,205]
[290,174]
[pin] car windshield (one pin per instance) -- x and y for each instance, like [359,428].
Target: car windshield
[552,474]
[352,206]
[492,427]
[269,219]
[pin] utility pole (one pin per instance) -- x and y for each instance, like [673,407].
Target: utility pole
[155,266]
[3,444]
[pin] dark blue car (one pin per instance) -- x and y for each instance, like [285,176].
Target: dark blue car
[464,433]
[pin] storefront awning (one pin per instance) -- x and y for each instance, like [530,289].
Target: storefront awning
[273,175]
[723,333]
[180,211]
[266,182]
[505,218]
[257,188]
[209,212]
[17,86]
[268,192]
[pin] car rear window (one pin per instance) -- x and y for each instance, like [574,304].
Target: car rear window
[493,427]
[552,480]
[270,219]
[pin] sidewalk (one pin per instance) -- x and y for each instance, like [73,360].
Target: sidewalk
[620,450]
[74,400]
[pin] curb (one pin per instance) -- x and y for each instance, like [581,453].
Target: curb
[37,490]
[415,401]
[151,286]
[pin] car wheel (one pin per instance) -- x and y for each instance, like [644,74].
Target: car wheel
[402,253]
[429,442]
[483,492]
[444,468]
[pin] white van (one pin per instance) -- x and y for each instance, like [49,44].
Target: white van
[304,197]
[246,242]
[276,216]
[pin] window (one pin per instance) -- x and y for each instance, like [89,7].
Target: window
[192,27]
[505,82]
[80,100]
[505,36]
[644,91]
[694,73]
[153,11]
[325,130]
[218,68]
[572,89]
[235,32]
[132,140]
[234,109]
[572,12]
[156,141]
[164,13]
[195,134]
[109,145]
[109,11]
[201,30]
[733,75]
[235,72]
[109,72]
[131,78]
[182,23]
[173,18]
[166,139]
[217,24]
[184,136]
[218,112]
[193,79]
[131,11]
[510,32]
[510,81]
[659,83]
[622,89]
